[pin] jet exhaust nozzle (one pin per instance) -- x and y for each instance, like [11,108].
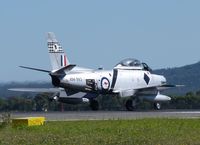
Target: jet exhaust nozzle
[55,80]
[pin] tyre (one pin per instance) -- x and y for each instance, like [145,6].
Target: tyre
[129,105]
[157,106]
[94,105]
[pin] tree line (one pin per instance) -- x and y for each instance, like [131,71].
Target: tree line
[41,102]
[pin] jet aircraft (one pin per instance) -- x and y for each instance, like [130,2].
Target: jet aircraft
[73,84]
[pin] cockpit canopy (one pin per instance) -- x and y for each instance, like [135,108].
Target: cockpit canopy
[134,64]
[130,62]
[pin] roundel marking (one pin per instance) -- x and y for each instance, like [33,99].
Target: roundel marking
[105,84]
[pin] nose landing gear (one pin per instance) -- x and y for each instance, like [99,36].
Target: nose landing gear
[131,105]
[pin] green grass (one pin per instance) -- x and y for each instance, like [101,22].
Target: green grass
[123,132]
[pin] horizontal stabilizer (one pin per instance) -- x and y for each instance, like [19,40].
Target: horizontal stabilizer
[31,68]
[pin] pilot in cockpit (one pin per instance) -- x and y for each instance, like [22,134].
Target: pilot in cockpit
[133,64]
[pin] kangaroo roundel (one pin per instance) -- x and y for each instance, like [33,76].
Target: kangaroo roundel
[105,84]
[56,47]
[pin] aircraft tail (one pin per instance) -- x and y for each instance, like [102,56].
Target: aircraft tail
[57,55]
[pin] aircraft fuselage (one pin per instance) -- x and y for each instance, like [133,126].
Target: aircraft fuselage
[111,81]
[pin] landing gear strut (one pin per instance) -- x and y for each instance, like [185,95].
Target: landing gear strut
[94,104]
[55,98]
[157,106]
[130,105]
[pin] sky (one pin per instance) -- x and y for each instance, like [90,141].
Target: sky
[97,33]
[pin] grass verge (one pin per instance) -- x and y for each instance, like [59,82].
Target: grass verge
[112,132]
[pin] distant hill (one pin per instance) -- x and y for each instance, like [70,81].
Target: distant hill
[188,75]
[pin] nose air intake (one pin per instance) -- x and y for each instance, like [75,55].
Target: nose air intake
[163,80]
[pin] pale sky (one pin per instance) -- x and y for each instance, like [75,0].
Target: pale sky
[94,33]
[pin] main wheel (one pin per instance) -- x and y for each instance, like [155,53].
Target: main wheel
[55,98]
[94,104]
[129,105]
[157,106]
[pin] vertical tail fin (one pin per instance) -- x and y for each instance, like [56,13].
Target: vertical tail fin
[57,56]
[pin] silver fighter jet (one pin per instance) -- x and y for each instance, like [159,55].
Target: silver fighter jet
[72,84]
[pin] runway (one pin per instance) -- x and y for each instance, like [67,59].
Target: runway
[108,115]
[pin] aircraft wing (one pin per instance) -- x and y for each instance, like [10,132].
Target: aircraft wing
[63,93]
[164,87]
[158,88]
[144,91]
[36,90]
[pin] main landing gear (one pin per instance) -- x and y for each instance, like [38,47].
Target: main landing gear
[94,104]
[130,105]
[157,106]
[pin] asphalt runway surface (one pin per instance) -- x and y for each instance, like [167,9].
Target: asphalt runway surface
[108,115]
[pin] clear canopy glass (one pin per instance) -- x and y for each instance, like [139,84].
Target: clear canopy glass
[130,62]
